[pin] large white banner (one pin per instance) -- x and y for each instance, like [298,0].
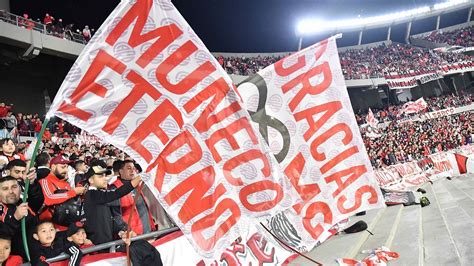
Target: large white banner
[302,108]
[459,67]
[406,81]
[147,84]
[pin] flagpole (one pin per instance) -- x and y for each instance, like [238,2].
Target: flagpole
[27,186]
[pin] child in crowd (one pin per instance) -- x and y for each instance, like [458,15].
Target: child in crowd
[49,245]
[77,235]
[5,248]
[7,152]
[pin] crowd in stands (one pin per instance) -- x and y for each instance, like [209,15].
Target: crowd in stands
[403,142]
[83,194]
[394,112]
[372,62]
[246,66]
[29,125]
[50,25]
[79,195]
[460,37]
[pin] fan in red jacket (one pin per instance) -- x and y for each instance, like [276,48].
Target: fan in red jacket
[5,248]
[56,189]
[142,220]
[4,109]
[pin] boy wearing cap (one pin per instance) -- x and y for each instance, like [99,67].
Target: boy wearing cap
[100,224]
[56,189]
[77,235]
[50,244]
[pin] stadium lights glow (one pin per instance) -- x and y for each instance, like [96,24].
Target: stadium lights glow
[449,4]
[312,26]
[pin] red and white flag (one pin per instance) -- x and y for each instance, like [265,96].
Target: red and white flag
[147,84]
[414,107]
[302,108]
[371,120]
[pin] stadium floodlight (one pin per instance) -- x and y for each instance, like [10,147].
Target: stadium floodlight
[448,4]
[311,26]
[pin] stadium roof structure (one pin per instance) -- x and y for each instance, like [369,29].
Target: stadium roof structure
[314,26]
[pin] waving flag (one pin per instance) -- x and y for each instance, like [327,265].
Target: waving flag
[371,120]
[303,111]
[414,107]
[147,84]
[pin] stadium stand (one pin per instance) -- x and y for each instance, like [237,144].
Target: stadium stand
[400,140]
[461,37]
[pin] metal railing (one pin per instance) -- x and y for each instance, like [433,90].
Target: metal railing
[63,33]
[111,245]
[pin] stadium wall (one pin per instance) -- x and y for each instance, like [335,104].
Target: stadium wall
[5,5]
[28,96]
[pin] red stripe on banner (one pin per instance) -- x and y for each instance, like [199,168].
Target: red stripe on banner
[167,238]
[290,259]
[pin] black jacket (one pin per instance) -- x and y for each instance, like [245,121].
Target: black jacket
[42,172]
[12,227]
[100,225]
[40,253]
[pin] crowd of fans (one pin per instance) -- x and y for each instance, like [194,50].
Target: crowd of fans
[394,112]
[402,142]
[29,125]
[461,37]
[372,62]
[84,194]
[80,194]
[246,66]
[51,26]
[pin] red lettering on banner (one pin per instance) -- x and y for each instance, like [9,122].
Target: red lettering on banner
[358,199]
[339,158]
[217,91]
[198,184]
[329,109]
[443,166]
[314,209]
[165,166]
[341,127]
[165,35]
[151,125]
[173,61]
[229,256]
[87,84]
[304,80]
[293,172]
[257,187]
[353,172]
[241,159]
[210,220]
[227,134]
[280,70]
[258,244]
[141,88]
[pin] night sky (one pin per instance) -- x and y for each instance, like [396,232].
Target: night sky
[247,25]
